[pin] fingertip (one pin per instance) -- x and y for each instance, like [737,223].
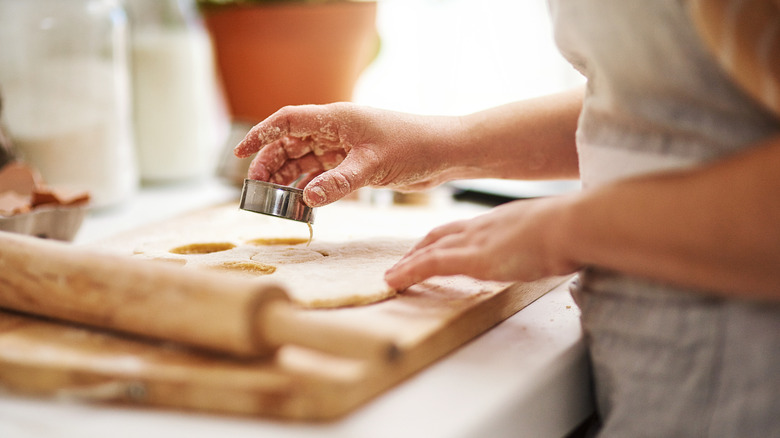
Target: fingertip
[258,137]
[403,274]
[394,280]
[240,151]
[321,191]
[248,146]
[314,196]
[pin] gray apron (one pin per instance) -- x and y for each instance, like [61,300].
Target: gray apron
[666,361]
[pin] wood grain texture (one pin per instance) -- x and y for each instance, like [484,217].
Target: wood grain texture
[424,323]
[57,280]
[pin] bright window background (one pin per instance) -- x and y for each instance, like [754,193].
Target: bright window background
[454,57]
[460,56]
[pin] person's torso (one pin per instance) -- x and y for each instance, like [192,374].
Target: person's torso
[656,99]
[666,361]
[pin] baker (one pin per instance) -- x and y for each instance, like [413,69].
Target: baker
[676,139]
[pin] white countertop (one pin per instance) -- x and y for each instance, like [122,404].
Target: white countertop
[526,377]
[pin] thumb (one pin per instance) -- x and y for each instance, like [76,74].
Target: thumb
[332,185]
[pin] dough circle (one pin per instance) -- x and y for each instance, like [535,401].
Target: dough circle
[320,275]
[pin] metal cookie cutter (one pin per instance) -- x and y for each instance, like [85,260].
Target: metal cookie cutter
[275,200]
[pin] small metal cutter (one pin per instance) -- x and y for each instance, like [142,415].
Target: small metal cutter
[275,200]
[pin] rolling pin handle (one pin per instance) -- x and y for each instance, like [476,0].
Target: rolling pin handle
[279,323]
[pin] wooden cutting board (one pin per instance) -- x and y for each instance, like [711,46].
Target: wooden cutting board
[46,357]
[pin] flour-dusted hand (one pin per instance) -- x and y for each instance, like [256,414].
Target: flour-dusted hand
[332,150]
[517,241]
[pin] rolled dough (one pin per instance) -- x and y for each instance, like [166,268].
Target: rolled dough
[320,275]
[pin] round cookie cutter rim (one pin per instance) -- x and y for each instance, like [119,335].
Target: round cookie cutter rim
[275,200]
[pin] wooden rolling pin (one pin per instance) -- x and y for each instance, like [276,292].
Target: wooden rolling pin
[210,310]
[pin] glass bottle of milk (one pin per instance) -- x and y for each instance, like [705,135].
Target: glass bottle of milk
[181,121]
[66,86]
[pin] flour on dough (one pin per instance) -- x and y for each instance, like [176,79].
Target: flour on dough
[320,275]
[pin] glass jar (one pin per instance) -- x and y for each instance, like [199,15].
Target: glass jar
[181,120]
[66,83]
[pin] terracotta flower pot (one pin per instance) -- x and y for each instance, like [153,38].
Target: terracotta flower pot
[282,54]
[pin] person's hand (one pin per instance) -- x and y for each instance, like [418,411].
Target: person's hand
[332,150]
[513,242]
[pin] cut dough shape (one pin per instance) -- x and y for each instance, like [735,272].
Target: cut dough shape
[278,241]
[321,275]
[350,274]
[287,255]
[202,248]
[248,268]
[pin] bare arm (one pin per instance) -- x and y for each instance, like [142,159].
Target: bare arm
[715,228]
[338,148]
[530,139]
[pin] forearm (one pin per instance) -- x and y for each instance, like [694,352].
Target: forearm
[714,228]
[530,139]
